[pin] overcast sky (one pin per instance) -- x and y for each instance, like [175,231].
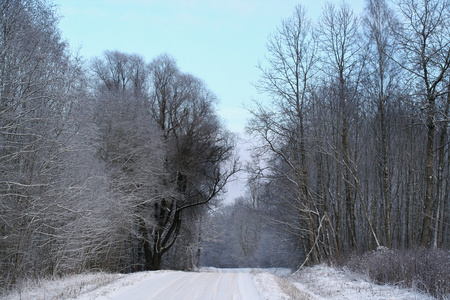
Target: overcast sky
[219,41]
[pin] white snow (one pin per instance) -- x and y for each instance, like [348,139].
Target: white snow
[323,282]
[268,287]
[274,271]
[182,285]
[319,282]
[61,288]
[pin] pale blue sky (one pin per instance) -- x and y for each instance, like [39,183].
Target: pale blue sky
[219,41]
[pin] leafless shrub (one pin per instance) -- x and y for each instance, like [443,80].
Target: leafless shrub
[427,270]
[66,287]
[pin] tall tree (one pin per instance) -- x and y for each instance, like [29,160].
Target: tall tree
[38,81]
[199,157]
[424,39]
[130,146]
[364,153]
[342,64]
[380,85]
[282,125]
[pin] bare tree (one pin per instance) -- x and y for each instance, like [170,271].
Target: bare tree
[130,145]
[342,65]
[381,87]
[424,40]
[38,84]
[199,157]
[282,125]
[357,157]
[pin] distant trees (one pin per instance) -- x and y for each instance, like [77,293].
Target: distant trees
[349,152]
[238,236]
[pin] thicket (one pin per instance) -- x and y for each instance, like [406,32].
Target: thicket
[427,270]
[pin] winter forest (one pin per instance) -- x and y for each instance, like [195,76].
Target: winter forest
[119,164]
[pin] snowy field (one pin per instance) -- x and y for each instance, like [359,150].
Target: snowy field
[320,282]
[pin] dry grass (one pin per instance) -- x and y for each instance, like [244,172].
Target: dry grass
[427,270]
[291,290]
[67,287]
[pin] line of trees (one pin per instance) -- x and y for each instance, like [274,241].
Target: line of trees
[103,165]
[354,137]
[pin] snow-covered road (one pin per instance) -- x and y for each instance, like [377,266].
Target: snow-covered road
[315,283]
[189,285]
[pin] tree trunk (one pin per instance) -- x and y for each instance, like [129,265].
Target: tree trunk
[439,212]
[152,258]
[425,240]
[385,188]
[349,199]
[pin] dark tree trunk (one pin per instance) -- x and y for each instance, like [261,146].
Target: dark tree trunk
[425,240]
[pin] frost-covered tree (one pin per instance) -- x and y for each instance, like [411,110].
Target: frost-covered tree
[39,82]
[131,148]
[164,150]
[199,158]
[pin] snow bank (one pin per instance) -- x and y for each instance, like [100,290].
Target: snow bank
[61,288]
[271,287]
[120,284]
[81,287]
[331,283]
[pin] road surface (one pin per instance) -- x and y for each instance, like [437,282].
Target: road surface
[190,285]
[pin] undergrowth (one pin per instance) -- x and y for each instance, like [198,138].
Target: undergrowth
[66,287]
[427,270]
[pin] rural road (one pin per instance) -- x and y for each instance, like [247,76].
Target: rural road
[175,285]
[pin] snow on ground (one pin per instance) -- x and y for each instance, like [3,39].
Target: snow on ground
[274,271]
[61,288]
[123,283]
[271,287]
[323,282]
[184,285]
[315,283]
